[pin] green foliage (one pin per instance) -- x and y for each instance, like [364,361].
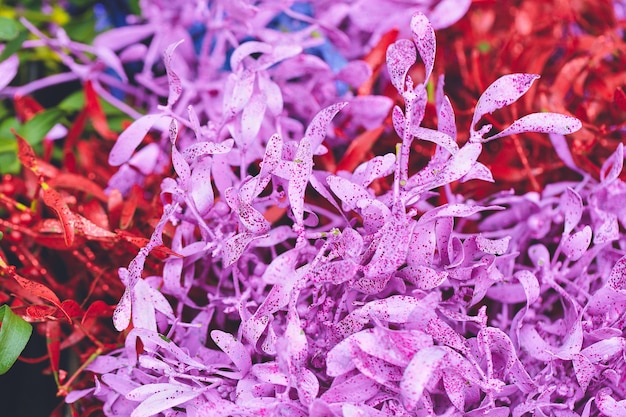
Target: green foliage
[14,335]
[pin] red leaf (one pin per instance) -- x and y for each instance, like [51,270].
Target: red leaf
[619,98]
[98,309]
[74,132]
[115,205]
[94,211]
[26,154]
[78,183]
[140,242]
[129,207]
[376,58]
[38,312]
[26,107]
[39,290]
[92,231]
[358,149]
[53,341]
[54,200]
[95,112]
[72,309]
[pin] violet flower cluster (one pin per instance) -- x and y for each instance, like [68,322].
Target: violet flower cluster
[352,303]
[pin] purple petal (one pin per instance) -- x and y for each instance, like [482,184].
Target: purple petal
[399,121]
[121,315]
[235,246]
[235,350]
[273,94]
[175,86]
[196,150]
[252,219]
[539,255]
[608,406]
[615,162]
[572,208]
[542,123]
[448,12]
[392,250]
[422,245]
[424,38]
[130,138]
[604,350]
[335,272]
[401,55]
[316,131]
[145,160]
[361,410]
[110,59]
[8,70]
[339,358]
[459,165]
[355,73]
[241,86]
[273,155]
[252,117]
[394,309]
[455,386]
[254,327]
[445,118]
[379,370]
[418,373]
[559,143]
[617,278]
[504,91]
[135,52]
[278,53]
[350,193]
[122,37]
[180,166]
[144,315]
[201,189]
[164,399]
[438,137]
[478,172]
[575,245]
[454,210]
[358,389]
[297,346]
[246,49]
[300,174]
[493,246]
[308,386]
[423,277]
[377,167]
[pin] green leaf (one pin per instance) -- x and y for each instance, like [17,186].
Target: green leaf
[14,335]
[9,164]
[13,45]
[76,102]
[36,128]
[8,29]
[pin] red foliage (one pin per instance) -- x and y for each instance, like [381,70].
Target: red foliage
[58,259]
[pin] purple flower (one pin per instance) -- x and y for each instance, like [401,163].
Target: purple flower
[352,302]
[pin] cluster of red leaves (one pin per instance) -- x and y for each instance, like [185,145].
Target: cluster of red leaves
[64,239]
[579,50]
